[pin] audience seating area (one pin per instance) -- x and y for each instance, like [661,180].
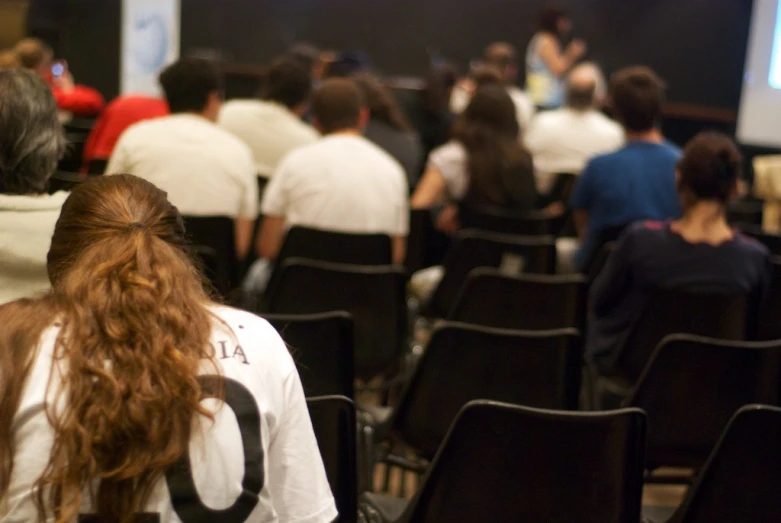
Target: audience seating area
[461,404]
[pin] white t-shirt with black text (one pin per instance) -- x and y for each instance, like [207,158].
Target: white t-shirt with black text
[205,170]
[261,442]
[343,183]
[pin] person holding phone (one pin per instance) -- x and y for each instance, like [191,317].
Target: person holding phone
[546,62]
[78,100]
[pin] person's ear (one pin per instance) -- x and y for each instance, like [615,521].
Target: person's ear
[363,118]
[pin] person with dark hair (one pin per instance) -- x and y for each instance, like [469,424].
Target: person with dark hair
[637,182]
[273,125]
[546,62]
[78,100]
[563,140]
[309,57]
[343,183]
[388,126]
[205,170]
[129,395]
[429,110]
[499,59]
[483,165]
[31,143]
[699,251]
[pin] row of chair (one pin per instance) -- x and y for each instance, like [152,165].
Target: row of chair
[502,462]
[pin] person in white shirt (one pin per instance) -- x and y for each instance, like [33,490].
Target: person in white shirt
[31,142]
[342,183]
[272,126]
[499,56]
[563,140]
[205,170]
[128,395]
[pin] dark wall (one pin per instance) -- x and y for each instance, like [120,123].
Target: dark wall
[697,45]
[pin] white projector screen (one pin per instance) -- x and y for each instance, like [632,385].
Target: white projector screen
[759,118]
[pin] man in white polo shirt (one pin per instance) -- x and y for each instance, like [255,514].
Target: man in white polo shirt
[205,170]
[563,140]
[342,183]
[272,126]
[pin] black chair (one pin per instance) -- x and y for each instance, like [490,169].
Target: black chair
[769,317]
[72,159]
[333,420]
[525,302]
[691,388]
[745,213]
[741,480]
[771,241]
[214,244]
[322,347]
[464,363]
[595,260]
[65,181]
[421,231]
[474,249]
[509,463]
[503,221]
[677,311]
[375,296]
[97,166]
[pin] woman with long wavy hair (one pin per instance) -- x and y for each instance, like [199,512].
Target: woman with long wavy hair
[127,395]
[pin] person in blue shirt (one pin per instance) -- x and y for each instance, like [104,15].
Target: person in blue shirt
[699,252]
[637,182]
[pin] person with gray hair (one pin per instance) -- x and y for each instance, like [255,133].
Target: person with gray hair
[31,143]
[563,140]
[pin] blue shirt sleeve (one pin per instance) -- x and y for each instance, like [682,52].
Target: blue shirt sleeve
[581,198]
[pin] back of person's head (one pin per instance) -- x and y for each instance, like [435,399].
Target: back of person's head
[33,139]
[585,87]
[9,59]
[33,53]
[487,75]
[488,129]
[134,332]
[637,96]
[380,101]
[549,20]
[709,168]
[338,105]
[348,63]
[191,84]
[306,54]
[501,56]
[288,83]
[439,83]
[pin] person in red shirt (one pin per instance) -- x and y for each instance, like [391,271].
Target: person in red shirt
[118,115]
[79,100]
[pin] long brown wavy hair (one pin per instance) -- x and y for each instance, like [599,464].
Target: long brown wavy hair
[134,332]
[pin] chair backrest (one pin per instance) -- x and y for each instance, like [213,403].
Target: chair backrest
[421,230]
[742,479]
[213,241]
[333,420]
[525,302]
[65,181]
[474,249]
[745,213]
[679,311]
[595,259]
[465,362]
[769,317]
[71,160]
[335,247]
[504,221]
[771,241]
[693,386]
[375,296]
[322,347]
[509,463]
[97,166]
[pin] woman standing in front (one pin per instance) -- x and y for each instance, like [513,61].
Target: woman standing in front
[546,63]
[127,395]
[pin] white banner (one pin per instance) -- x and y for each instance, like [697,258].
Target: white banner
[150,41]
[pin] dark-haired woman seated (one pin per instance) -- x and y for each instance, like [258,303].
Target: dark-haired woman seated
[127,395]
[699,251]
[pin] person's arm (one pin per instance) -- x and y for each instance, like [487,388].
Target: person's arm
[613,281]
[430,190]
[272,234]
[243,230]
[247,214]
[559,63]
[77,99]
[398,249]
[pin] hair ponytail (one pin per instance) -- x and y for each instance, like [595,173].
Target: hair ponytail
[134,332]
